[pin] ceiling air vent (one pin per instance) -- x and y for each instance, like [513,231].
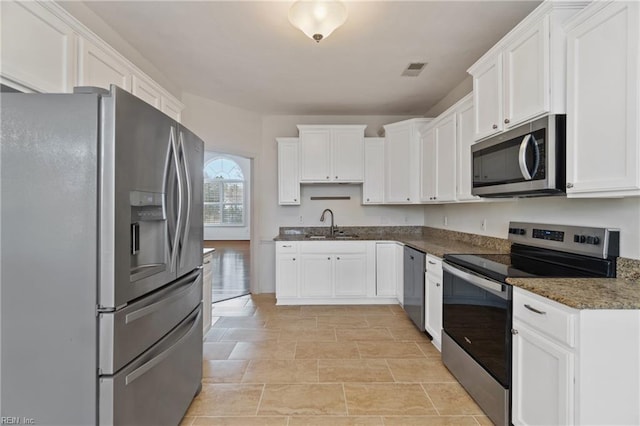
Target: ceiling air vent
[414,69]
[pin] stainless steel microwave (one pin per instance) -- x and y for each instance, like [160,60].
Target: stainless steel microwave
[527,161]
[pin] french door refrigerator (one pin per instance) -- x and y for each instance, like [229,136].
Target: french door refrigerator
[101,256]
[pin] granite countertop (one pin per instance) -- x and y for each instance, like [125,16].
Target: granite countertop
[585,293]
[579,293]
[207,250]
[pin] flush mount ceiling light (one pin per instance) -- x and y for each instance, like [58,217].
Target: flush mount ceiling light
[317,18]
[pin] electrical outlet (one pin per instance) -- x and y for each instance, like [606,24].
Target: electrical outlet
[445,221]
[484,224]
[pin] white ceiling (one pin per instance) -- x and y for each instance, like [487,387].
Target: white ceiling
[246,53]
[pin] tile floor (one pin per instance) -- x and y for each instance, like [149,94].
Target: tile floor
[323,365]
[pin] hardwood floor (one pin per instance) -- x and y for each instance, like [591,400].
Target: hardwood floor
[230,269]
[323,365]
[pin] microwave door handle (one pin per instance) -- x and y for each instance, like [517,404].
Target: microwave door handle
[522,157]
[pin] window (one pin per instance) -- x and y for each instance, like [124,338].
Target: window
[223,193]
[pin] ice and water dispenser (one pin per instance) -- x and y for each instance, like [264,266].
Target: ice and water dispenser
[148,251]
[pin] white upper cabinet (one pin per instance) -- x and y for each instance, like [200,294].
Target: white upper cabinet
[402,161]
[464,140]
[51,52]
[373,185]
[288,172]
[38,48]
[603,99]
[172,107]
[147,91]
[101,69]
[523,76]
[487,94]
[526,74]
[438,160]
[333,153]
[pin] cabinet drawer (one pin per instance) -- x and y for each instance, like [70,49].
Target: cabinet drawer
[546,316]
[333,247]
[286,247]
[434,266]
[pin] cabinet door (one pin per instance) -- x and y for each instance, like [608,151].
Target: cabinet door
[603,97]
[428,165]
[207,296]
[171,107]
[542,388]
[98,68]
[347,154]
[464,137]
[433,303]
[373,186]
[487,97]
[386,269]
[316,275]
[397,172]
[287,275]
[350,275]
[526,75]
[445,188]
[288,172]
[315,155]
[146,91]
[37,48]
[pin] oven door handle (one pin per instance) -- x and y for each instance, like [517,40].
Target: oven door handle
[476,280]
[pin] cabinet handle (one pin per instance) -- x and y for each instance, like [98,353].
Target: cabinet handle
[514,331]
[507,121]
[336,177]
[328,258]
[207,262]
[569,185]
[338,258]
[408,199]
[532,309]
[294,259]
[286,246]
[437,284]
[367,199]
[327,177]
[432,263]
[295,199]
[495,126]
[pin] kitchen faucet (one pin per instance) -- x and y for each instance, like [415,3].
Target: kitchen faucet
[333,228]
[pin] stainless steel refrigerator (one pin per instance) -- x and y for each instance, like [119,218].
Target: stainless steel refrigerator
[101,255]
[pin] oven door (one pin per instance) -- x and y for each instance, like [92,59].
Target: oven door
[476,314]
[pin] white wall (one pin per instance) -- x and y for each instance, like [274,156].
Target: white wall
[615,213]
[232,232]
[460,91]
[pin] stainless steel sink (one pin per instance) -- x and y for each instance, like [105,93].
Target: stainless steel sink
[345,237]
[316,237]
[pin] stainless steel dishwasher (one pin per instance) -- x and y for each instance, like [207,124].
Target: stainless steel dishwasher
[414,270]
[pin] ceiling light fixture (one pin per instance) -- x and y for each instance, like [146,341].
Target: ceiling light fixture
[317,18]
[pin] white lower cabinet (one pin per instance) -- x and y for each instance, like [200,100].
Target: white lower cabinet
[573,366]
[331,272]
[207,284]
[387,268]
[433,299]
[287,270]
[542,379]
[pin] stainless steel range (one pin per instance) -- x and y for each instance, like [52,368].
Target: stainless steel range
[477,301]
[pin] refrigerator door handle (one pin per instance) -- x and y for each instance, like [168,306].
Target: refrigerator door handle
[191,326]
[188,190]
[176,162]
[188,281]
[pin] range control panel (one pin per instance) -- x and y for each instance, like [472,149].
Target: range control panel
[596,242]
